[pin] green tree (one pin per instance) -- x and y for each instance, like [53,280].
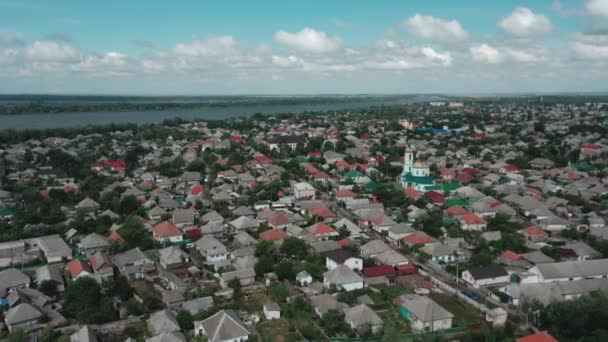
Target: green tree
[185,320]
[278,292]
[264,265]
[285,271]
[84,300]
[294,247]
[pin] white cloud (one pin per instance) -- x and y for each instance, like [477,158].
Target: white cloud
[445,59]
[487,54]
[9,38]
[597,7]
[103,63]
[308,40]
[590,47]
[286,61]
[213,46]
[524,23]
[528,55]
[437,29]
[150,65]
[50,52]
[8,56]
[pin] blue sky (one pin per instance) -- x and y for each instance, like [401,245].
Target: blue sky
[272,47]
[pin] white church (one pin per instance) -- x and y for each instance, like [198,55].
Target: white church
[415,174]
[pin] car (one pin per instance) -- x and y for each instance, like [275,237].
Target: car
[471,294]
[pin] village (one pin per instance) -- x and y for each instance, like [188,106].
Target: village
[443,220]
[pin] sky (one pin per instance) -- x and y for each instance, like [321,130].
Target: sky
[303,47]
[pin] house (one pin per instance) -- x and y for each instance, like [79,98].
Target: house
[244,223]
[102,265]
[246,277]
[274,234]
[486,276]
[472,222]
[211,249]
[361,318]
[88,204]
[182,217]
[384,274]
[339,257]
[133,264]
[440,252]
[93,243]
[24,316]
[548,292]
[290,141]
[541,336]
[161,322]
[418,238]
[166,231]
[423,313]
[196,305]
[272,311]
[303,278]
[53,247]
[172,257]
[374,247]
[326,302]
[79,268]
[534,234]
[12,279]
[172,299]
[53,273]
[567,271]
[399,231]
[224,326]
[304,190]
[352,228]
[343,278]
[84,334]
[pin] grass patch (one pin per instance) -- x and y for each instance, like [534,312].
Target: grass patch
[464,314]
[271,330]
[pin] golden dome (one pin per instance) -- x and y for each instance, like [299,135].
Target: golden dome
[420,164]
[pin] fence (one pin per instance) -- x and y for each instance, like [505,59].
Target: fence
[454,291]
[451,331]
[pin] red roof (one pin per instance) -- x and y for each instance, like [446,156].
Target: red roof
[321,211]
[116,238]
[273,235]
[435,197]
[321,229]
[314,154]
[278,219]
[540,336]
[197,189]
[511,168]
[342,163]
[406,269]
[456,210]
[534,231]
[193,234]
[345,193]
[377,271]
[311,169]
[412,193]
[236,138]
[418,238]
[473,219]
[77,266]
[166,229]
[94,265]
[510,255]
[343,243]
[263,159]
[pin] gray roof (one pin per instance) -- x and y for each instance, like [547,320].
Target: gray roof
[85,334]
[374,247]
[362,314]
[424,308]
[573,269]
[193,306]
[244,222]
[326,302]
[210,245]
[12,277]
[157,211]
[163,321]
[94,240]
[172,255]
[181,216]
[129,257]
[272,307]
[212,216]
[244,239]
[175,336]
[22,313]
[557,290]
[243,211]
[87,203]
[52,245]
[224,326]
[537,257]
[342,275]
[49,272]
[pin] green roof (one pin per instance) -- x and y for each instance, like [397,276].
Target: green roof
[456,201]
[353,174]
[299,159]
[371,186]
[444,187]
[429,180]
[584,166]
[4,212]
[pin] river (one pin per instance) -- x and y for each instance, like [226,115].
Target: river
[56,120]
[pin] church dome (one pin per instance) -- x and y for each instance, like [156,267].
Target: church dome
[420,164]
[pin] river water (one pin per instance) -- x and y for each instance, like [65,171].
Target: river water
[55,120]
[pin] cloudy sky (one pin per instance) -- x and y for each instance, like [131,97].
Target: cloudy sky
[303,47]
